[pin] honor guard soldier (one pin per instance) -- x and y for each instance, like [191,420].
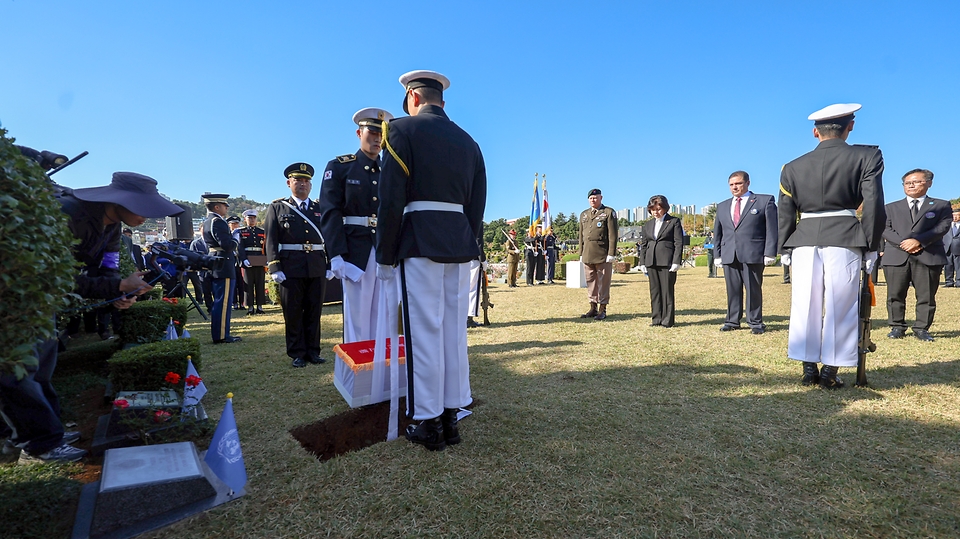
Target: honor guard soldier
[252,258]
[349,199]
[234,222]
[824,188]
[433,189]
[297,262]
[220,241]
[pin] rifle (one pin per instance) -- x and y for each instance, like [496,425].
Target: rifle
[864,344]
[485,296]
[512,243]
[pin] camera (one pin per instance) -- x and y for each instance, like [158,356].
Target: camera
[166,261]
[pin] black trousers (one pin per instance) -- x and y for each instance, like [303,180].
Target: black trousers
[925,279]
[739,277]
[662,284]
[31,404]
[253,280]
[238,290]
[531,266]
[551,264]
[302,300]
[951,272]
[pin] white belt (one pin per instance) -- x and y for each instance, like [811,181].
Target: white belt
[430,205]
[217,249]
[360,221]
[835,213]
[308,247]
[252,249]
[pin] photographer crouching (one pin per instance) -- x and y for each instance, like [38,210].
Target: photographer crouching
[96,216]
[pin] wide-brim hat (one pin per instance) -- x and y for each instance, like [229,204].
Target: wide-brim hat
[135,192]
[838,113]
[422,78]
[371,118]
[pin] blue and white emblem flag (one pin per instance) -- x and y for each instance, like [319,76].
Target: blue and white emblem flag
[171,334]
[224,455]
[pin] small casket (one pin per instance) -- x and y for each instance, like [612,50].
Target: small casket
[353,372]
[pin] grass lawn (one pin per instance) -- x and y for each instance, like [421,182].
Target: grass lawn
[608,429]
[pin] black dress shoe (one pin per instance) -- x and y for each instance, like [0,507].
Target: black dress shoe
[725,327]
[451,433]
[250,313]
[428,433]
[471,323]
[757,331]
[299,363]
[922,335]
[811,374]
[315,359]
[829,378]
[260,311]
[602,315]
[897,333]
[228,340]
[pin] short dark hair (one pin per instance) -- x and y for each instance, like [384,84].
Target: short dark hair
[742,173]
[927,175]
[831,130]
[658,200]
[430,95]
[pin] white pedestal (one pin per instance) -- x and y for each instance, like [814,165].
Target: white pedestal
[576,277]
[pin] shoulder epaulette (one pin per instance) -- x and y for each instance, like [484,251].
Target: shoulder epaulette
[346,158]
[278,200]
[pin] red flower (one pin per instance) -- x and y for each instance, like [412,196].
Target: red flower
[193,381]
[160,416]
[172,378]
[121,403]
[176,322]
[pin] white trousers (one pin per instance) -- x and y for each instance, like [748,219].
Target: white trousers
[360,301]
[825,306]
[436,297]
[473,305]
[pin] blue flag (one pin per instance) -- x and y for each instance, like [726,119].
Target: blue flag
[171,334]
[224,456]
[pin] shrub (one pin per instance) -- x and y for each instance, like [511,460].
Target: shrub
[560,272]
[621,267]
[147,321]
[701,260]
[570,257]
[89,357]
[36,265]
[633,260]
[273,291]
[143,368]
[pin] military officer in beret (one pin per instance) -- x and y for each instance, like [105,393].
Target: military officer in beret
[598,250]
[433,190]
[513,258]
[349,200]
[298,263]
[234,222]
[825,187]
[250,253]
[220,241]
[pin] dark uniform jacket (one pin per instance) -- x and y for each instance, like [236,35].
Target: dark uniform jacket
[219,239]
[933,222]
[834,176]
[350,188]
[598,234]
[444,165]
[96,279]
[664,249]
[284,226]
[534,244]
[753,238]
[251,242]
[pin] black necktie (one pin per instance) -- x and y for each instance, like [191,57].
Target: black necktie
[303,206]
[913,210]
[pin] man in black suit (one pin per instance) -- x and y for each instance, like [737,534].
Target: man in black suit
[829,244]
[951,246]
[745,236]
[913,252]
[298,263]
[661,248]
[433,190]
[220,241]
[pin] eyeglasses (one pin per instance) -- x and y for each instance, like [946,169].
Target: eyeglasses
[912,183]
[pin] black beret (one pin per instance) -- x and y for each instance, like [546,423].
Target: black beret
[593,192]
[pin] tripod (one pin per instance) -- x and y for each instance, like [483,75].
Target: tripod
[182,285]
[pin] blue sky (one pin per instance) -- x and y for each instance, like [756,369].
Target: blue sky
[636,98]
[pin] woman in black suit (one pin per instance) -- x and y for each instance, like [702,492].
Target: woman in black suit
[660,250]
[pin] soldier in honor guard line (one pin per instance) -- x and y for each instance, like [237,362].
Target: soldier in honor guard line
[234,222]
[534,256]
[250,253]
[298,263]
[219,239]
[349,202]
[513,258]
[433,190]
[598,250]
[825,187]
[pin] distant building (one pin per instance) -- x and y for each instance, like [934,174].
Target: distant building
[706,209]
[624,214]
[640,213]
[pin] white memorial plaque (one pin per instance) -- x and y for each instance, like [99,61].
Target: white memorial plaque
[137,466]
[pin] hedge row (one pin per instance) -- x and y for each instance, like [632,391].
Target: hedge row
[143,368]
[147,321]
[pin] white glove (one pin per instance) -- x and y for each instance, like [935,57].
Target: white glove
[717,262]
[643,269]
[278,277]
[769,260]
[336,267]
[484,265]
[385,272]
[610,259]
[785,259]
[674,268]
[870,259]
[581,260]
[246,263]
[352,272]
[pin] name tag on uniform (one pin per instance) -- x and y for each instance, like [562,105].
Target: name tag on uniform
[353,182]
